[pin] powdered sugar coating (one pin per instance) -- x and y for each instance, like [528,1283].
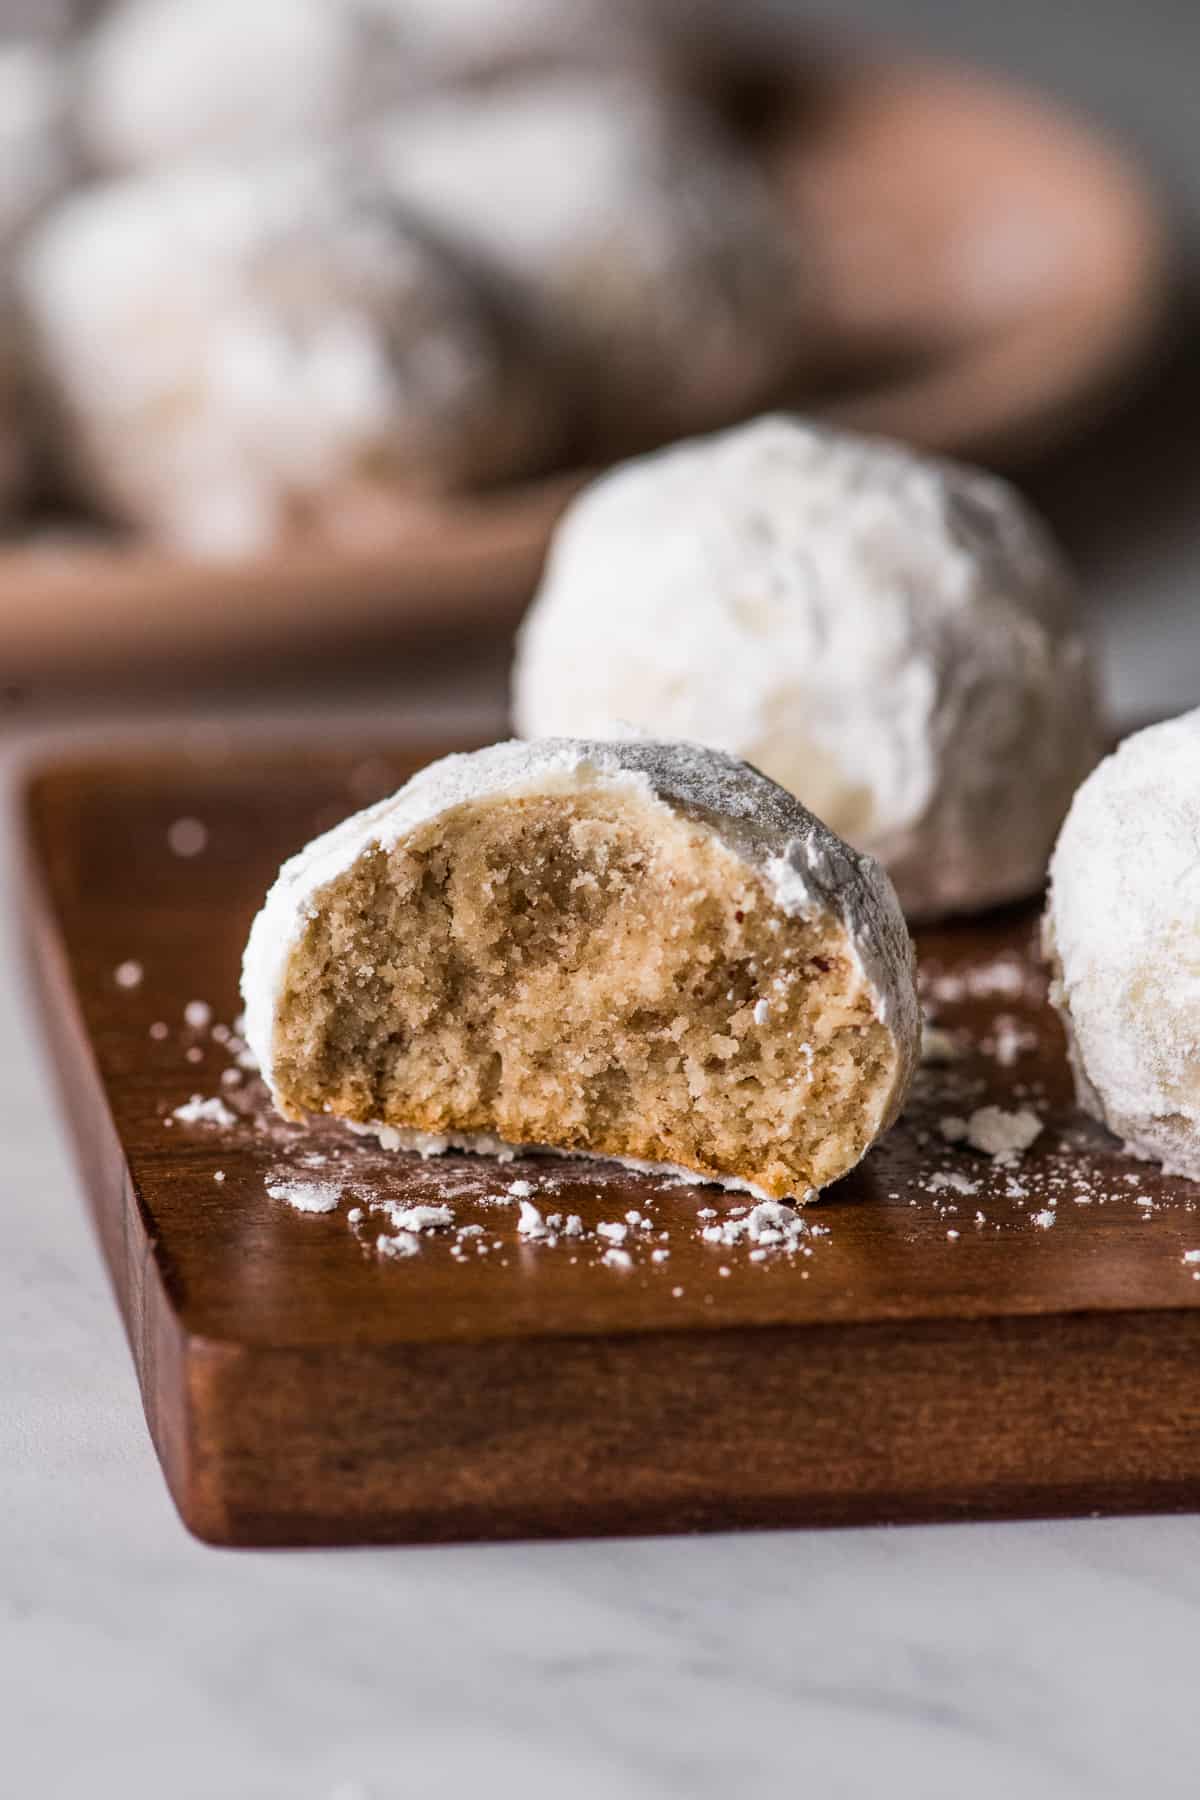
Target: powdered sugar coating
[809,871]
[167,80]
[306,1196]
[650,244]
[891,637]
[236,347]
[455,39]
[1122,937]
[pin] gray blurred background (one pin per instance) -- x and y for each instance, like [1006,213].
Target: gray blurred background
[1128,499]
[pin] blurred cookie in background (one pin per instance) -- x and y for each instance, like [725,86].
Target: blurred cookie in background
[239,354]
[456,41]
[169,80]
[644,238]
[37,152]
[164,81]
[702,46]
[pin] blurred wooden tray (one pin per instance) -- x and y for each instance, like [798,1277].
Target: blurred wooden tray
[983,271]
[957,1339]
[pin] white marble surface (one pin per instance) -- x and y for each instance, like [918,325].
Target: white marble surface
[970,1662]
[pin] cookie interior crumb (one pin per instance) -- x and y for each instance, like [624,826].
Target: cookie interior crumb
[584,970]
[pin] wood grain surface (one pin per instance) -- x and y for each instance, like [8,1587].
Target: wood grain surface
[955,1338]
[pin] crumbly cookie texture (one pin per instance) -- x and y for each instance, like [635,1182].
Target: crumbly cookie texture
[239,352]
[1121,936]
[638,950]
[891,637]
[650,244]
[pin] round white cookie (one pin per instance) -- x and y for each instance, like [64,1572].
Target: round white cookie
[454,41]
[650,242]
[238,351]
[167,80]
[37,162]
[638,950]
[692,45]
[893,638]
[1122,934]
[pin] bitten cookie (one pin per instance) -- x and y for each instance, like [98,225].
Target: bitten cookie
[1121,933]
[235,352]
[638,950]
[893,638]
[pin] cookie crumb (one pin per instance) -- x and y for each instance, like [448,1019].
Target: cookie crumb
[403,1244]
[187,837]
[306,1196]
[198,1111]
[531,1223]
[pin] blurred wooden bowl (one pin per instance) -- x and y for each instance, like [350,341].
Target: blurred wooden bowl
[991,270]
[984,274]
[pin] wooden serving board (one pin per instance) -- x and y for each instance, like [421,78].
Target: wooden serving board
[952,1338]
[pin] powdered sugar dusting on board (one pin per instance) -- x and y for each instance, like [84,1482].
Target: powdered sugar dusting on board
[985,1024]
[398,1208]
[306,1196]
[1001,1135]
[199,1111]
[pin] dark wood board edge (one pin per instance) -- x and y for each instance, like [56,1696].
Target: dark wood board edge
[682,1432]
[152,1331]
